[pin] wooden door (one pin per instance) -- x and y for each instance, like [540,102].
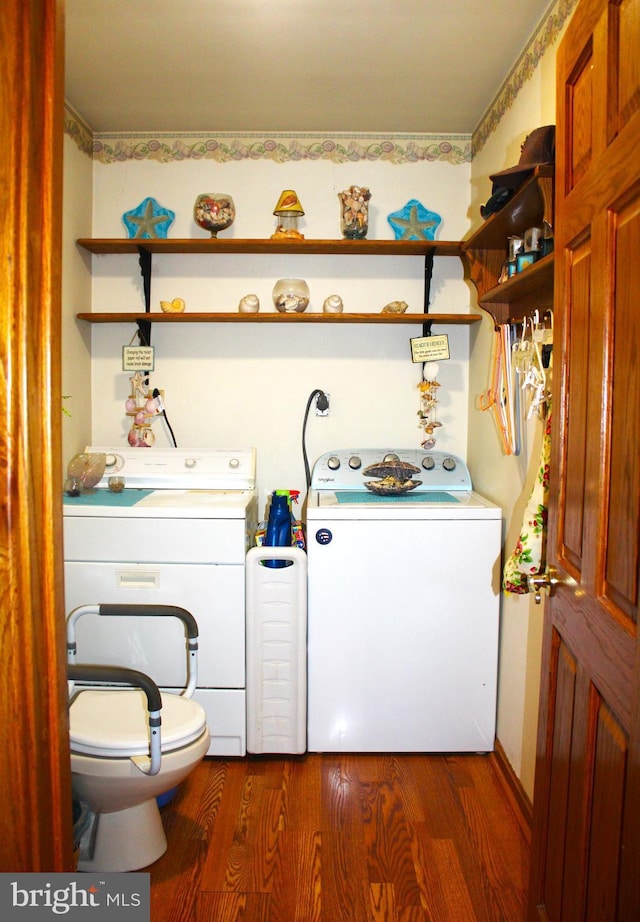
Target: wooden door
[35,817]
[586,836]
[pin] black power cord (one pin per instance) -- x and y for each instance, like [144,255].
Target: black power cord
[322,404]
[160,405]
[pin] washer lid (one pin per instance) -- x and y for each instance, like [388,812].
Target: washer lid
[346,506]
[113,723]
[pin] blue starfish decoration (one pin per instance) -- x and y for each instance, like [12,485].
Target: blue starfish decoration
[414,222]
[149,219]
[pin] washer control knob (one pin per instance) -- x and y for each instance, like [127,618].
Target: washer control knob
[111,460]
[428,463]
[190,462]
[234,463]
[355,463]
[449,464]
[324,536]
[333,463]
[391,456]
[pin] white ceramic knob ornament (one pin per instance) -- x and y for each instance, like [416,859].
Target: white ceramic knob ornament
[332,305]
[249,304]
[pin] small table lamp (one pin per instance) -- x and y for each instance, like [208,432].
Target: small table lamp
[288,211]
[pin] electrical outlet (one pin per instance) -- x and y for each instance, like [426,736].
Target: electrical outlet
[323,412]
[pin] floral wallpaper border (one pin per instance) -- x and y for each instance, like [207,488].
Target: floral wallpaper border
[278,147]
[281,148]
[546,35]
[78,130]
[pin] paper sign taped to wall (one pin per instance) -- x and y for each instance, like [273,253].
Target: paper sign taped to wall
[138,358]
[429,348]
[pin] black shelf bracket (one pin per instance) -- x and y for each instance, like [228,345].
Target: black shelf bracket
[144,326]
[428,273]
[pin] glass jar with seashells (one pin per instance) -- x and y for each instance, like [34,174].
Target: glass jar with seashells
[214,212]
[291,295]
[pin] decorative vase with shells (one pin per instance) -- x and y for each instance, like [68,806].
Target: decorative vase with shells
[354,212]
[214,212]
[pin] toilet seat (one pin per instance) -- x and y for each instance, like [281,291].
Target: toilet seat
[114,723]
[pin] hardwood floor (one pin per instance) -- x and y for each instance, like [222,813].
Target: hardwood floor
[342,838]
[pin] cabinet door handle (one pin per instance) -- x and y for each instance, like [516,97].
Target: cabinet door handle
[138,579]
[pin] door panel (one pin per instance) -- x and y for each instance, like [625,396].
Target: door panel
[627,43]
[579,107]
[621,569]
[575,446]
[610,749]
[586,836]
[564,689]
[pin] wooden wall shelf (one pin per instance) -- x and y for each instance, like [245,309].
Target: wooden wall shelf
[275,317]
[145,248]
[221,245]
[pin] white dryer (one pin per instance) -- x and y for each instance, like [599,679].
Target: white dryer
[403,608]
[176,535]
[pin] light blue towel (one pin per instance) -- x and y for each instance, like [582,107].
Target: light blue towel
[106,498]
[413,496]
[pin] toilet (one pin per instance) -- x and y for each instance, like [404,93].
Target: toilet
[129,746]
[107,729]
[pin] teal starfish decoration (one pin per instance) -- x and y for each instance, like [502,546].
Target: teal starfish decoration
[414,222]
[149,219]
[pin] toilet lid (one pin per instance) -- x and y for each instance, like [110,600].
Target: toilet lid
[114,723]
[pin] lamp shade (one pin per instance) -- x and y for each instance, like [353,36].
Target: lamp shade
[288,204]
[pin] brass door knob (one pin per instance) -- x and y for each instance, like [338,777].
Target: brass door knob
[547,580]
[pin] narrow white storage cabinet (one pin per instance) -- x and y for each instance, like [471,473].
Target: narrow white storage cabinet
[276,613]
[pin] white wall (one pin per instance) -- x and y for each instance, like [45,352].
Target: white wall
[234,385]
[76,297]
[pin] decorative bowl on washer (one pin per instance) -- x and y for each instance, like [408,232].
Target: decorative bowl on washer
[391,486]
[88,468]
[396,477]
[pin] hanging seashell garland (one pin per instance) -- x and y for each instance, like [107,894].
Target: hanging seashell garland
[428,388]
[143,408]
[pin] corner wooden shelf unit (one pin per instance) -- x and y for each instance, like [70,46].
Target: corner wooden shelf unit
[145,248]
[486,251]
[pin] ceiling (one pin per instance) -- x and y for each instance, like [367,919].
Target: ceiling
[229,66]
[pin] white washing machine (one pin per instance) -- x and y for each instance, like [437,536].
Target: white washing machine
[403,608]
[176,535]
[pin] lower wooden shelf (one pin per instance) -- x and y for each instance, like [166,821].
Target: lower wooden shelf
[275,317]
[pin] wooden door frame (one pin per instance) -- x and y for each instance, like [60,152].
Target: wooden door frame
[36,825]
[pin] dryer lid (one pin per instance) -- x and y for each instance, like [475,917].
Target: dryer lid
[113,723]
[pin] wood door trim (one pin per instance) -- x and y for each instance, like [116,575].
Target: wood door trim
[36,823]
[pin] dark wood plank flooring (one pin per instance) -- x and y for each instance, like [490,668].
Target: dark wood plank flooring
[341,838]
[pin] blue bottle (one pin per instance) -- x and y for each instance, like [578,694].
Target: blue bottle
[278,526]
